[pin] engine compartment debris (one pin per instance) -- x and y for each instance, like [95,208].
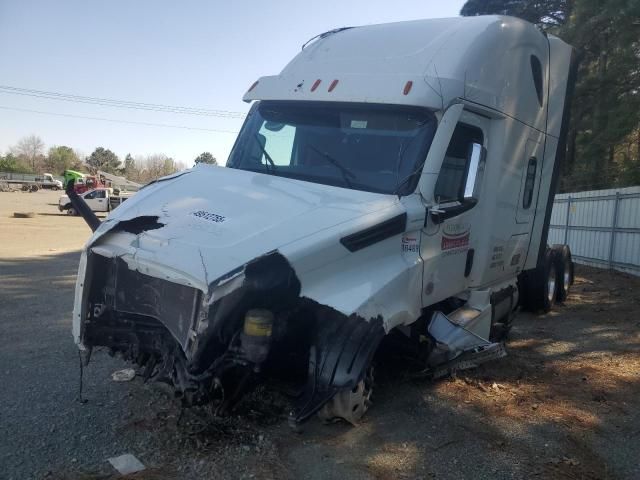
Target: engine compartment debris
[124,375]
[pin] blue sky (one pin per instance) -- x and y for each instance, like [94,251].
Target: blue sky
[202,54]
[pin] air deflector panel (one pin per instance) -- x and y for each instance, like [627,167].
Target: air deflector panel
[377,233]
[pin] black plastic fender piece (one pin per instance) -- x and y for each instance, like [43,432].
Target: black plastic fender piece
[377,233]
[339,356]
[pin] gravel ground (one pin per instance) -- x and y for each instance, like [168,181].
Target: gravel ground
[563,404]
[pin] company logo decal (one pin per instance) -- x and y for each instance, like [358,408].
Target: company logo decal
[455,236]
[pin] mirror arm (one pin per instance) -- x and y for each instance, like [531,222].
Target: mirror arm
[439,215]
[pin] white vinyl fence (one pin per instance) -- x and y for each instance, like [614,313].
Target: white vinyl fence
[602,227]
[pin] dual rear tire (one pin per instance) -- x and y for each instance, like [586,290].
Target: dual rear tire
[550,282]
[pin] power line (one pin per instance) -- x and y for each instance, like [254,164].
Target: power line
[110,102]
[113,120]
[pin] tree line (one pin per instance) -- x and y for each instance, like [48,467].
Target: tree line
[29,156]
[603,144]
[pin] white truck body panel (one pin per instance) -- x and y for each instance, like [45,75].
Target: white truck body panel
[446,59]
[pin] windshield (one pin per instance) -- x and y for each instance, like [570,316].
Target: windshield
[376,148]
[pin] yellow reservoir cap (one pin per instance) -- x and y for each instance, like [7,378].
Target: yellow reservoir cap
[258,323]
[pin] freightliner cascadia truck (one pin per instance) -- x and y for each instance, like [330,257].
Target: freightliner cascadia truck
[393,180]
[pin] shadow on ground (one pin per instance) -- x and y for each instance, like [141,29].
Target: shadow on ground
[561,405]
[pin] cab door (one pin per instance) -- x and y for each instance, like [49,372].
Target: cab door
[452,230]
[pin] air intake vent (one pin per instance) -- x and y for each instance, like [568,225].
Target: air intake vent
[377,233]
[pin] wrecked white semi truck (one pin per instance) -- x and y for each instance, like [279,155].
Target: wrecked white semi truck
[392,179]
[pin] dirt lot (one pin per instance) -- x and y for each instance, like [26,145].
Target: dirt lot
[563,404]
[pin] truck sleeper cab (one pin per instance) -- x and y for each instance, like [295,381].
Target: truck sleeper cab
[391,179]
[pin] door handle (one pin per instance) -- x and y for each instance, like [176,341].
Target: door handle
[469,263]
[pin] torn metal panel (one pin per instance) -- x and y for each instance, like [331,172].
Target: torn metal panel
[452,339]
[457,348]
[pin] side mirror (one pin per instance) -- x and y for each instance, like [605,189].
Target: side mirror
[475,172]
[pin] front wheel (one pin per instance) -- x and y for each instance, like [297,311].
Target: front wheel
[350,404]
[71,211]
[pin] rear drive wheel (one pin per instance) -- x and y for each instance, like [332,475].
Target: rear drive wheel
[564,269]
[540,285]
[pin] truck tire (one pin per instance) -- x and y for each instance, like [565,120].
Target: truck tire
[564,270]
[540,286]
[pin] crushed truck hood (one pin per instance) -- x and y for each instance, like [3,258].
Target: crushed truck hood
[198,225]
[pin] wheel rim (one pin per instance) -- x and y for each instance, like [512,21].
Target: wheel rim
[350,405]
[551,284]
[566,278]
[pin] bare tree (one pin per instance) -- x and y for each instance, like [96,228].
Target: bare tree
[153,167]
[82,157]
[30,149]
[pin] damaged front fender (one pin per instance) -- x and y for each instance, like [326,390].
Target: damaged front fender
[204,342]
[341,351]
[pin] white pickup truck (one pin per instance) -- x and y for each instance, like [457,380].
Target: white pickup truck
[99,200]
[392,182]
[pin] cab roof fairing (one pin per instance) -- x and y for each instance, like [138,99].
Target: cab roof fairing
[483,59]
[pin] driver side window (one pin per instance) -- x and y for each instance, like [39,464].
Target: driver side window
[451,185]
